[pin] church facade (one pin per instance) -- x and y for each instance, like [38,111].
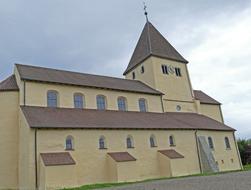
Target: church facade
[66,129]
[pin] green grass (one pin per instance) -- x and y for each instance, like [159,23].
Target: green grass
[247,167]
[104,185]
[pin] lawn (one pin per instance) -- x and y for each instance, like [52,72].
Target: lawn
[247,167]
[104,185]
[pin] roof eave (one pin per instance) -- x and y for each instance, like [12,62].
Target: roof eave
[132,91]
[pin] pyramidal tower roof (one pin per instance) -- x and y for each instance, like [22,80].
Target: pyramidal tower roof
[152,42]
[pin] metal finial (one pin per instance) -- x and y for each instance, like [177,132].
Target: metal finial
[145,7]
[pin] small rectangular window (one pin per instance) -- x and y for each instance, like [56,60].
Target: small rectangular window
[177,72]
[164,69]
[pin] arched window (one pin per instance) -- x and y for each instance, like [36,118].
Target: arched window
[142,105]
[101,102]
[69,143]
[129,142]
[52,98]
[78,100]
[102,143]
[122,104]
[227,143]
[153,141]
[210,143]
[171,140]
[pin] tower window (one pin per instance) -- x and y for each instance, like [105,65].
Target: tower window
[164,69]
[142,69]
[133,75]
[177,72]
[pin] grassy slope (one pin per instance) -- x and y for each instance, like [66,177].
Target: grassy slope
[100,186]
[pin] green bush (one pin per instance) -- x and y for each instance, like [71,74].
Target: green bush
[242,145]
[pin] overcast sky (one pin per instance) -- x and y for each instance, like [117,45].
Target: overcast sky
[99,37]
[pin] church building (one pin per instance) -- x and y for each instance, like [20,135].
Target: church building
[66,129]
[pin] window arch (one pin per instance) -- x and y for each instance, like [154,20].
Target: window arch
[171,140]
[227,143]
[129,142]
[122,104]
[101,102]
[69,143]
[142,105]
[78,100]
[102,142]
[210,143]
[52,98]
[153,142]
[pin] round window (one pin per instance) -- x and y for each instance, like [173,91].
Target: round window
[178,107]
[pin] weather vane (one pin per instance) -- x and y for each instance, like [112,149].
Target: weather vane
[145,7]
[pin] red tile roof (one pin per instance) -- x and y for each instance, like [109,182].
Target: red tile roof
[9,84]
[170,153]
[43,117]
[204,98]
[41,74]
[151,42]
[57,158]
[121,156]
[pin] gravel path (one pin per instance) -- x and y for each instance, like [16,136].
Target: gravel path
[229,181]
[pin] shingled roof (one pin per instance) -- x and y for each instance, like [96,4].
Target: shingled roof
[57,158]
[171,153]
[41,74]
[9,84]
[152,42]
[121,156]
[204,98]
[43,117]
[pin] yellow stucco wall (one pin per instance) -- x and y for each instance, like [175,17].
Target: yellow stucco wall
[36,95]
[164,165]
[128,171]
[26,167]
[9,140]
[171,106]
[174,88]
[147,77]
[93,165]
[212,111]
[58,177]
[220,152]
[112,171]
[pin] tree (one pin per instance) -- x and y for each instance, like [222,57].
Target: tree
[242,145]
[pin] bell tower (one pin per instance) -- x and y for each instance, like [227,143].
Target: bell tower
[158,64]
